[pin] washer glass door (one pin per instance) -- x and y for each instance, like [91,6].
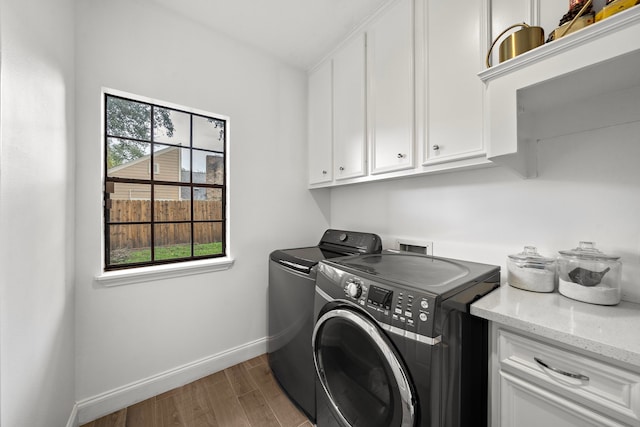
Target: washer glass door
[363,378]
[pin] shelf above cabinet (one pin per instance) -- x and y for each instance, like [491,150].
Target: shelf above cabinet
[598,61]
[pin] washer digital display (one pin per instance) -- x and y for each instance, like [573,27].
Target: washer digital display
[380,297]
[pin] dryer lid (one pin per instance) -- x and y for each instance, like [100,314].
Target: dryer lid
[302,259]
[334,243]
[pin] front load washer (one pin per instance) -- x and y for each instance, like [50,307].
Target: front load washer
[394,344]
[292,275]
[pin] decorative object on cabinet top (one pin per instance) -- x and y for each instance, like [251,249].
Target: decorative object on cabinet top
[523,40]
[605,29]
[614,7]
[579,16]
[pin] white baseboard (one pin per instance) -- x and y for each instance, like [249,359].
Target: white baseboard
[105,403]
[73,418]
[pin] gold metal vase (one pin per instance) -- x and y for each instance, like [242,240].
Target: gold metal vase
[529,37]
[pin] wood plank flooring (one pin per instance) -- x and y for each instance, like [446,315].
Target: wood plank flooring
[244,395]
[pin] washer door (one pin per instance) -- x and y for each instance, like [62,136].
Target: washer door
[365,382]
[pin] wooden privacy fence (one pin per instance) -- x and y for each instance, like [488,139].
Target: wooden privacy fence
[136,236]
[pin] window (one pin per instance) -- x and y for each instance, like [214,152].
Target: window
[177,213]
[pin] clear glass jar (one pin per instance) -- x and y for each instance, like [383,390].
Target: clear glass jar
[586,274]
[531,271]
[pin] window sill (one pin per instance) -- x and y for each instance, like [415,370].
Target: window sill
[160,272]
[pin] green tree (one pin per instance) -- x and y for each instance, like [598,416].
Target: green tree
[130,122]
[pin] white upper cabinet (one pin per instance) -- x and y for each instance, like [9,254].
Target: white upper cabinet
[320,128]
[349,113]
[391,89]
[403,87]
[454,49]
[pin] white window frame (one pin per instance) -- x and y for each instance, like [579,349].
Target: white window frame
[177,269]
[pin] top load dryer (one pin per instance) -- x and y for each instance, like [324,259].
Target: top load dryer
[292,275]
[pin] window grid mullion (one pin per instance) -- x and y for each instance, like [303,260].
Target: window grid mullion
[191,187]
[152,195]
[159,182]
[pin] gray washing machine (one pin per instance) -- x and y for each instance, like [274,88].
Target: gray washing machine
[394,344]
[292,275]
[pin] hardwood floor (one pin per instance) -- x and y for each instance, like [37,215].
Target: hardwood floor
[244,395]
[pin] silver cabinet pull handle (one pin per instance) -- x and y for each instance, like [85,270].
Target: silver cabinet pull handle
[400,156]
[341,168]
[561,372]
[324,172]
[436,147]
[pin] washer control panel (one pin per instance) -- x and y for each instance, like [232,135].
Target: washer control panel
[413,311]
[404,309]
[351,242]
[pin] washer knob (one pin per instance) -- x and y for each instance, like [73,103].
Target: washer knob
[354,289]
[343,237]
[423,317]
[424,303]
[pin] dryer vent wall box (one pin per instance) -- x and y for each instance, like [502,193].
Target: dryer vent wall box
[415,246]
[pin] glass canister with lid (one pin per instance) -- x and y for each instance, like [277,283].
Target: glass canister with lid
[586,274]
[531,271]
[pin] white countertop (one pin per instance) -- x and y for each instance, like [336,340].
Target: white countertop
[610,331]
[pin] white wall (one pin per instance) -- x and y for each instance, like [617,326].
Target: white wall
[36,213]
[587,189]
[132,333]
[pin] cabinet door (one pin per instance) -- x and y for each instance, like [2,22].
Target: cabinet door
[320,134]
[391,89]
[525,405]
[349,110]
[454,53]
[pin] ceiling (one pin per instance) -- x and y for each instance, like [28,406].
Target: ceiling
[299,32]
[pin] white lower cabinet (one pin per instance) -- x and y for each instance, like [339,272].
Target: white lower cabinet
[522,404]
[536,382]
